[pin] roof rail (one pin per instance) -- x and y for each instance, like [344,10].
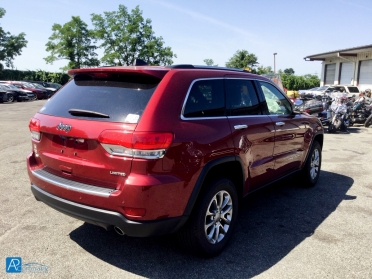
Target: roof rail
[189,66]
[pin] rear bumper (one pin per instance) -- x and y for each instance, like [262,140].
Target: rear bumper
[108,219]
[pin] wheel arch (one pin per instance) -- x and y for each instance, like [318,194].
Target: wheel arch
[229,167]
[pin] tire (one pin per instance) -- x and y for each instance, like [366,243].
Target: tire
[212,222]
[311,170]
[331,128]
[10,98]
[368,121]
[337,124]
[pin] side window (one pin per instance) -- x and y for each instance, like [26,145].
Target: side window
[241,97]
[338,88]
[276,102]
[206,99]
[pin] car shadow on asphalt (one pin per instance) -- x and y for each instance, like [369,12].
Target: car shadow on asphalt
[350,130]
[356,129]
[272,222]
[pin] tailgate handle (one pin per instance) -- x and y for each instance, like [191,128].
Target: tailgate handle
[240,127]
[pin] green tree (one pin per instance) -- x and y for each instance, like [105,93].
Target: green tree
[10,45]
[209,62]
[73,42]
[242,59]
[292,82]
[289,71]
[126,36]
[262,70]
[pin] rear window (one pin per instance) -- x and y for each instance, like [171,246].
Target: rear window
[119,98]
[353,89]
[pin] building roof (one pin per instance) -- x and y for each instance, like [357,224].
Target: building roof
[341,52]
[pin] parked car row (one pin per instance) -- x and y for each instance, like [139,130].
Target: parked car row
[19,91]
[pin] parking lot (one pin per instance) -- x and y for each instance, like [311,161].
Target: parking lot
[284,231]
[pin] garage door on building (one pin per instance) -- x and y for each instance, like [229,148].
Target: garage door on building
[330,71]
[347,71]
[365,74]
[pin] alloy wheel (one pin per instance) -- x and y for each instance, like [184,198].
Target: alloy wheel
[314,164]
[10,98]
[218,217]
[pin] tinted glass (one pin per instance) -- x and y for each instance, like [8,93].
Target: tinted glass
[353,89]
[242,97]
[38,86]
[54,85]
[322,88]
[122,98]
[206,99]
[276,103]
[28,85]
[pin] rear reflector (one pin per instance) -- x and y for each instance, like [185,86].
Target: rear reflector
[34,126]
[144,145]
[134,212]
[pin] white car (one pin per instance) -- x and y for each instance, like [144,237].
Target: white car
[349,90]
[321,90]
[307,91]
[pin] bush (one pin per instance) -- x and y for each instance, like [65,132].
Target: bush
[292,82]
[38,75]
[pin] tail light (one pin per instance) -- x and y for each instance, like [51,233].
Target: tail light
[145,145]
[35,129]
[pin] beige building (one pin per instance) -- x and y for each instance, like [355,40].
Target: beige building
[351,66]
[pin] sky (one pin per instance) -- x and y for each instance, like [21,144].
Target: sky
[209,29]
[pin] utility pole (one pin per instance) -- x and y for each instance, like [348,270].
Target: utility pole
[274,63]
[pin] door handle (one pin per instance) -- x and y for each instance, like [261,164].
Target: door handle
[279,123]
[239,127]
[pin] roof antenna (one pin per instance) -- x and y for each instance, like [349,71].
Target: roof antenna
[139,62]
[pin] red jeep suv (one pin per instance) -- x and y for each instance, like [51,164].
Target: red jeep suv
[150,150]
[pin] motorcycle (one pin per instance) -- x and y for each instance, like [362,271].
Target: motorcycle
[325,115]
[339,120]
[360,113]
[310,104]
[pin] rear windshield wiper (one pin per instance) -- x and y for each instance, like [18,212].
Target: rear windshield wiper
[82,112]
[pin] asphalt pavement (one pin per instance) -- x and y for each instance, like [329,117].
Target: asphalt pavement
[284,231]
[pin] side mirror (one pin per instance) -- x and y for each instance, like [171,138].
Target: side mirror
[298,102]
[297,105]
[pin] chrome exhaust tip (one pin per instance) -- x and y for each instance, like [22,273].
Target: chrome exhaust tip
[119,230]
